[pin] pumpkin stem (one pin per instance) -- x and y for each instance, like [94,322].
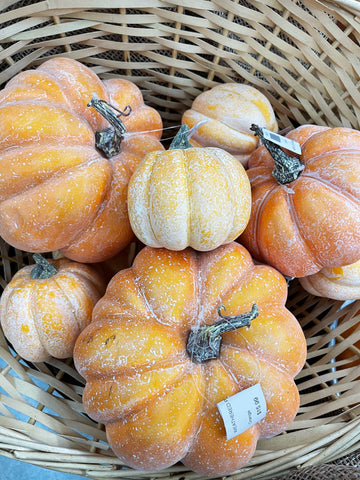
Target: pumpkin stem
[109,140]
[287,168]
[204,342]
[43,268]
[181,139]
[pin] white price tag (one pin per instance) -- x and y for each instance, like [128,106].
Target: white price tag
[282,141]
[242,410]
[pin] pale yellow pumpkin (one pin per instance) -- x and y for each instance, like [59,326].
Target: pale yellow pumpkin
[44,308]
[338,283]
[189,197]
[228,111]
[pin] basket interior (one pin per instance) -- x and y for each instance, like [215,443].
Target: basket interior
[305,57]
[41,413]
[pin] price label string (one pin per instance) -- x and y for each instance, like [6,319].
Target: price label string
[142,132]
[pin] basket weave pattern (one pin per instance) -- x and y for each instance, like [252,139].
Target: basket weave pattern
[305,56]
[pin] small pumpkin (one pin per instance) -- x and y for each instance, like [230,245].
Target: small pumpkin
[306,208]
[156,367]
[45,306]
[228,110]
[338,283]
[64,171]
[188,196]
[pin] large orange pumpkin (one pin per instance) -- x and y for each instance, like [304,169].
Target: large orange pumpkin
[45,307]
[227,112]
[306,209]
[156,385]
[57,190]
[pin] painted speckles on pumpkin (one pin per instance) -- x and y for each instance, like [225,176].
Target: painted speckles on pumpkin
[45,111]
[43,317]
[229,110]
[316,225]
[159,407]
[192,197]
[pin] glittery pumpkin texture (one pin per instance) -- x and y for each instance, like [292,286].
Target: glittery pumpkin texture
[191,197]
[226,113]
[57,191]
[312,222]
[42,317]
[159,406]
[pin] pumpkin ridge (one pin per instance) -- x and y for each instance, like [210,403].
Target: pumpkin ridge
[22,276]
[212,311]
[85,277]
[257,218]
[296,222]
[102,205]
[32,313]
[69,80]
[149,206]
[68,301]
[238,133]
[188,196]
[314,158]
[339,191]
[59,108]
[164,388]
[227,175]
[61,88]
[256,354]
[17,203]
[20,81]
[260,377]
[54,174]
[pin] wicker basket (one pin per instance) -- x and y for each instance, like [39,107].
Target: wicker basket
[305,56]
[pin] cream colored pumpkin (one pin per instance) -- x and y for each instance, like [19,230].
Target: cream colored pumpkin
[44,308]
[339,283]
[189,197]
[229,111]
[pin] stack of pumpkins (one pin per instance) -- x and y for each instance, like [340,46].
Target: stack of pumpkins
[83,174]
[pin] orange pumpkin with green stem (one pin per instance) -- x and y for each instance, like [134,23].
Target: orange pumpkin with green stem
[45,306]
[306,209]
[160,354]
[64,171]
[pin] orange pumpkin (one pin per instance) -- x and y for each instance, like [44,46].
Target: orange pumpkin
[306,209]
[155,369]
[339,283]
[228,110]
[58,191]
[189,196]
[45,307]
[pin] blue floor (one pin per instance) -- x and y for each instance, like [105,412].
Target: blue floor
[15,470]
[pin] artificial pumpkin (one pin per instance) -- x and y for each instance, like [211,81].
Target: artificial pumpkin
[63,171]
[188,196]
[338,283]
[306,208]
[228,110]
[156,390]
[45,306]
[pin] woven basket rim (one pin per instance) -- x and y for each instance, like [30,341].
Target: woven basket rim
[305,57]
